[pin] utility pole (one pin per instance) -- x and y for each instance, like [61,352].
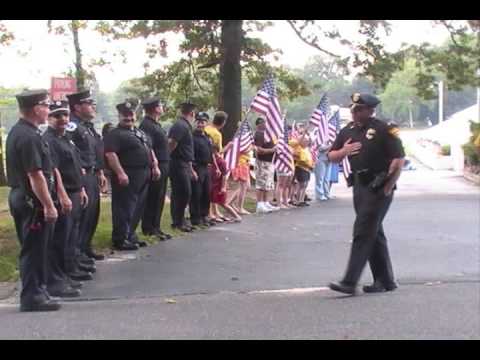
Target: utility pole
[440,101]
[478,94]
[410,102]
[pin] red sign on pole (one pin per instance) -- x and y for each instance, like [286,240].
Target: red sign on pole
[62,87]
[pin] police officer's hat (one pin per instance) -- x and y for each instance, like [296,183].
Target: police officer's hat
[83,96]
[129,106]
[187,107]
[57,107]
[29,98]
[202,115]
[151,102]
[365,99]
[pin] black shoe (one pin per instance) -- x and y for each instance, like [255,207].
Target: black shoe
[46,305]
[66,292]
[341,287]
[307,198]
[185,228]
[74,284]
[91,254]
[158,235]
[167,236]
[80,275]
[87,268]
[378,287]
[125,247]
[83,258]
[140,243]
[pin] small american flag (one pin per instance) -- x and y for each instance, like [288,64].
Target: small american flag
[319,119]
[346,167]
[266,103]
[333,126]
[241,141]
[283,161]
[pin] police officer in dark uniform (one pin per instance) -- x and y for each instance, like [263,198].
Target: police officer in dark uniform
[180,144]
[64,269]
[202,145]
[376,159]
[89,142]
[31,178]
[152,215]
[133,163]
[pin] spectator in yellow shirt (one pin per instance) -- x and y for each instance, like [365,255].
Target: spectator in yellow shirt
[303,167]
[213,129]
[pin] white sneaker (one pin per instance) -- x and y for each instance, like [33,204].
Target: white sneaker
[271,207]
[262,209]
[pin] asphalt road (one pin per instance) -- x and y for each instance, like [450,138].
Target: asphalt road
[266,278]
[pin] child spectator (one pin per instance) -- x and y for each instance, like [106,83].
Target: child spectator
[218,192]
[303,167]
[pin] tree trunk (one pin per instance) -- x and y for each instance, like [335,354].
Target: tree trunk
[79,72]
[3,178]
[230,84]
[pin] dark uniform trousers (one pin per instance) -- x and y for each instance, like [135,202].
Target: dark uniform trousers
[90,215]
[61,251]
[157,190]
[180,179]
[34,235]
[128,203]
[200,201]
[369,241]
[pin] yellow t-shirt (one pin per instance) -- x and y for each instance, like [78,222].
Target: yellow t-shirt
[215,135]
[302,156]
[244,158]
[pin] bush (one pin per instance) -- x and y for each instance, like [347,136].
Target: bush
[446,150]
[471,154]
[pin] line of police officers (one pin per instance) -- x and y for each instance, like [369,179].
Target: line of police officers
[56,179]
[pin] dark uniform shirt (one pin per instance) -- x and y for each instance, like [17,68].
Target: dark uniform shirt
[379,146]
[132,146]
[202,145]
[27,152]
[66,158]
[158,138]
[260,142]
[181,132]
[89,142]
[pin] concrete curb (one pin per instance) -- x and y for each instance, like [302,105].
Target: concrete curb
[472,177]
[7,289]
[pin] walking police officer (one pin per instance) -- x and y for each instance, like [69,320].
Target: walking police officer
[202,146]
[31,178]
[376,158]
[152,215]
[89,142]
[133,164]
[64,269]
[180,145]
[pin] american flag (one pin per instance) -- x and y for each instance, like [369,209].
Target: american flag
[333,126]
[346,167]
[241,141]
[283,161]
[266,103]
[294,133]
[320,114]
